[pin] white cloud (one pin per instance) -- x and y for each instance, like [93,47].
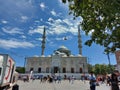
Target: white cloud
[90,33]
[24,18]
[52,44]
[40,39]
[39,29]
[23,36]
[53,22]
[60,38]
[53,13]
[42,6]
[4,21]
[58,21]
[41,19]
[12,30]
[60,1]
[58,26]
[7,44]
[59,29]
[50,19]
[37,21]
[13,9]
[68,22]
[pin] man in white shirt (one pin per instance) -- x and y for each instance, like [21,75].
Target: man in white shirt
[92,80]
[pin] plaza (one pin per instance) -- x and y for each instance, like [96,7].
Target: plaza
[64,85]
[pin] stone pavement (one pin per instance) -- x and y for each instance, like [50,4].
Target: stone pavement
[64,85]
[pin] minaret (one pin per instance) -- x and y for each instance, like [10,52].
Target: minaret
[79,41]
[43,42]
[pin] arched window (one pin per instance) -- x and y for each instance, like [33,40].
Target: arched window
[72,70]
[31,69]
[80,70]
[56,69]
[47,70]
[39,70]
[64,70]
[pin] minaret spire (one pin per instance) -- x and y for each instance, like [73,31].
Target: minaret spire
[43,42]
[79,40]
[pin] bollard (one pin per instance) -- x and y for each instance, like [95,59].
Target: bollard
[15,87]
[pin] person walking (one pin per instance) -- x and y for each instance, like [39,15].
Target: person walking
[114,82]
[72,79]
[92,81]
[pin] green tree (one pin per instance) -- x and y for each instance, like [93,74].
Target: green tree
[101,69]
[20,69]
[110,68]
[90,68]
[101,18]
[97,69]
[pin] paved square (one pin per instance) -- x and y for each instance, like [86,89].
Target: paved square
[64,85]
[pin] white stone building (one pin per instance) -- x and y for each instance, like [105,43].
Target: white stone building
[60,63]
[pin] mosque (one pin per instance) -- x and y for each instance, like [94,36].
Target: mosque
[61,62]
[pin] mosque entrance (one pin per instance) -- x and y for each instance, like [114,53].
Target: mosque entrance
[56,69]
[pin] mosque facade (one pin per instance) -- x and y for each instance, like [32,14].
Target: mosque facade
[61,62]
[58,63]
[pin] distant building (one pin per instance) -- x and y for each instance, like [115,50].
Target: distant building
[117,54]
[60,62]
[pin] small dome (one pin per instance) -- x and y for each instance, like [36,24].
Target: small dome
[42,56]
[49,55]
[64,55]
[79,55]
[36,56]
[71,55]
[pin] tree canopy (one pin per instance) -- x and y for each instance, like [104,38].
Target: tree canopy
[101,18]
[101,69]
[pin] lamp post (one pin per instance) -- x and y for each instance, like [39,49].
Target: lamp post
[83,69]
[108,56]
[25,64]
[59,68]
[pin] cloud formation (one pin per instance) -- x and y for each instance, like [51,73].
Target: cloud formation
[42,6]
[14,44]
[4,21]
[57,27]
[53,13]
[39,29]
[16,9]
[11,31]
[22,10]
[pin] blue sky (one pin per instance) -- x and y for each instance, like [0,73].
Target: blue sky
[21,28]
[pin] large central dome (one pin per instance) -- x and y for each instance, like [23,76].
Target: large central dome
[63,49]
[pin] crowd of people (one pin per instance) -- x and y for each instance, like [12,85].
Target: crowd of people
[111,80]
[48,78]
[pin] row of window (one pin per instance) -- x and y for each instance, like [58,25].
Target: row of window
[57,70]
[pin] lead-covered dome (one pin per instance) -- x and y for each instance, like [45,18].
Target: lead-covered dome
[63,50]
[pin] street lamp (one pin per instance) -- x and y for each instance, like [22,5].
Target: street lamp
[108,56]
[25,63]
[109,62]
